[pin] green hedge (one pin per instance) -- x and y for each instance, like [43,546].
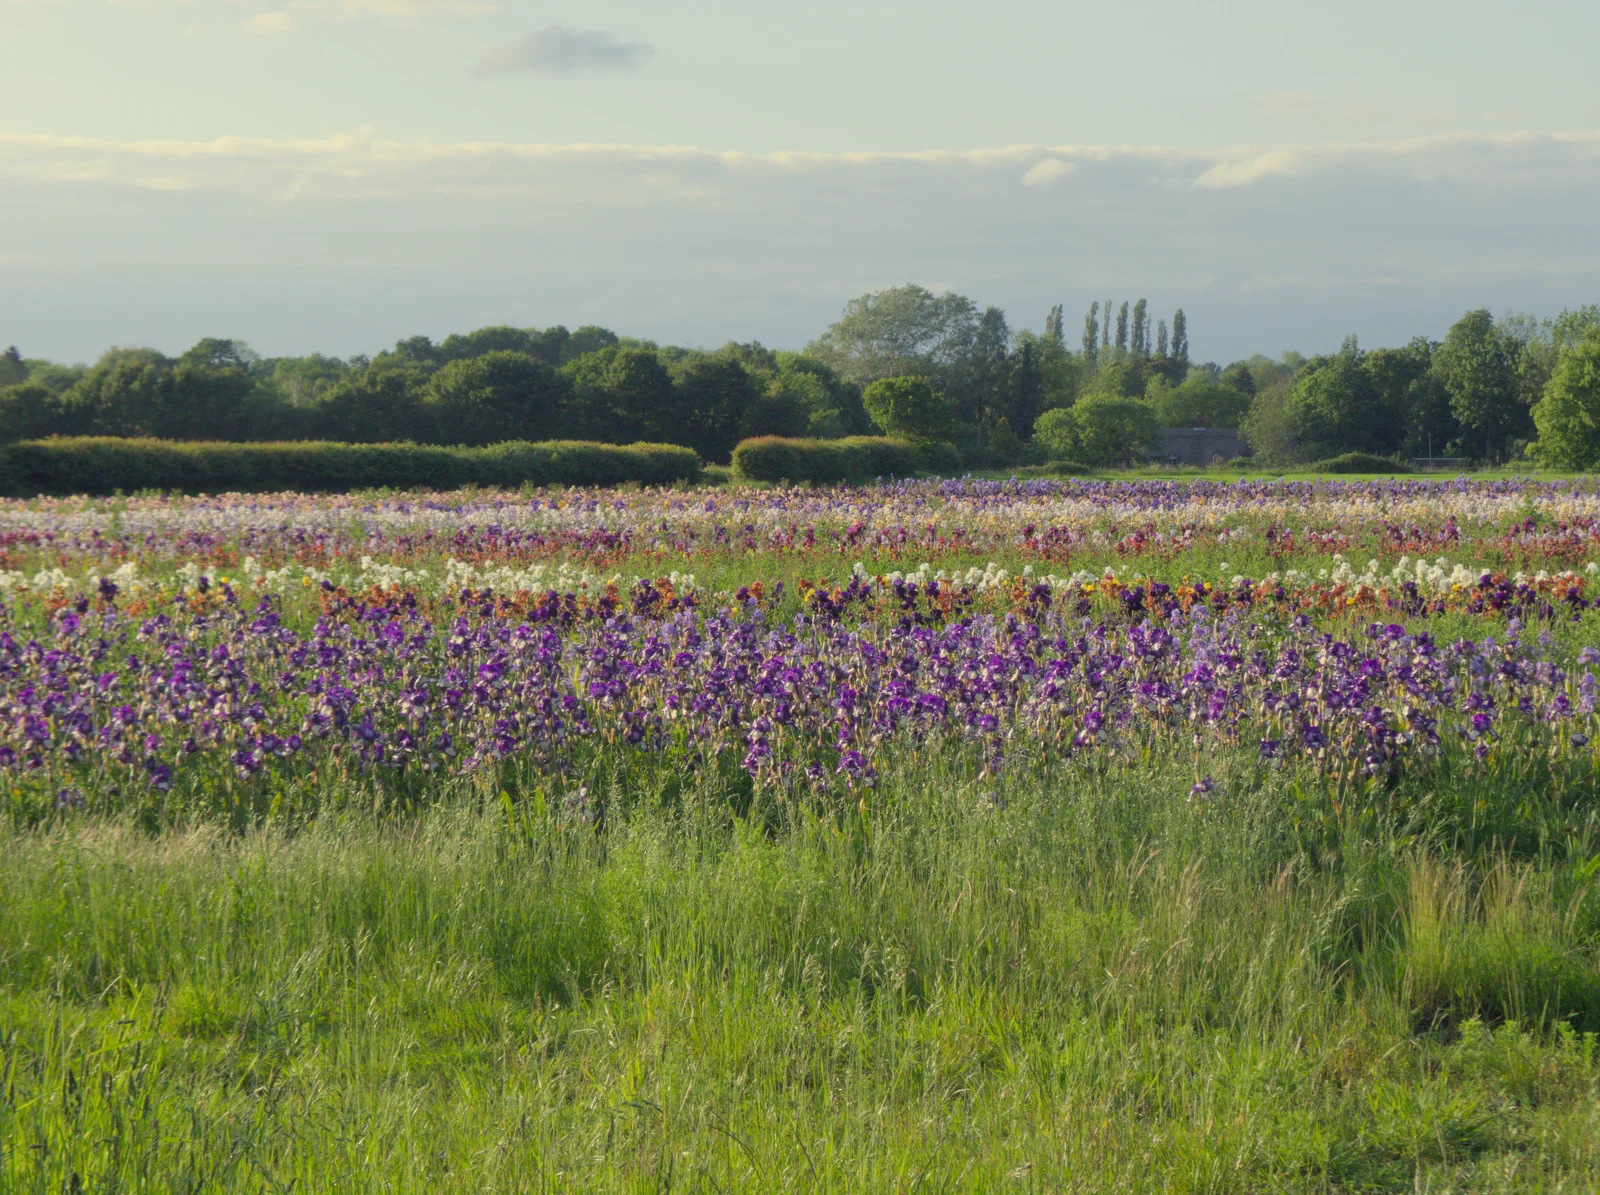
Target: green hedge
[103,465]
[854,458]
[1054,469]
[1361,462]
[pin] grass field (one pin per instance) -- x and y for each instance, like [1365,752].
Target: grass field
[1092,987]
[718,475]
[1142,931]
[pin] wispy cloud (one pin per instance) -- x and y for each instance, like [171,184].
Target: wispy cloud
[354,161]
[329,9]
[394,8]
[1046,171]
[270,22]
[1266,247]
[563,50]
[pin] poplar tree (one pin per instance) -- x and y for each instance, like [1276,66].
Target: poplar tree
[1161,338]
[1091,334]
[1122,329]
[1141,329]
[1055,325]
[1180,337]
[1105,326]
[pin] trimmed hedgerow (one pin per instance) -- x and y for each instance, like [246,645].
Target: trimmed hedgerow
[104,465]
[854,458]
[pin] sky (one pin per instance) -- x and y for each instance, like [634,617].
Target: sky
[333,175]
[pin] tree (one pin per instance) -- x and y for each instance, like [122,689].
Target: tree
[1572,328]
[1100,429]
[1057,433]
[1141,329]
[1428,425]
[1005,446]
[1055,324]
[1105,327]
[1026,388]
[979,392]
[414,352]
[824,419]
[843,397]
[1568,416]
[459,346]
[1268,427]
[376,406]
[903,331]
[1122,330]
[1058,373]
[1335,407]
[910,408]
[1161,338]
[1123,377]
[793,404]
[1180,338]
[1239,376]
[550,346]
[621,395]
[28,412]
[1539,344]
[1477,363]
[1091,334]
[1200,400]
[715,392]
[1416,408]
[223,402]
[590,338]
[207,394]
[300,381]
[1264,371]
[13,369]
[498,396]
[127,393]
[221,353]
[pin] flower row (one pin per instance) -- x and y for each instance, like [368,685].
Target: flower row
[397,681]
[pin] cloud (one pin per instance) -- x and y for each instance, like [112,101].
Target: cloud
[1481,158]
[270,22]
[1046,172]
[563,50]
[407,9]
[294,240]
[334,10]
[1246,168]
[360,162]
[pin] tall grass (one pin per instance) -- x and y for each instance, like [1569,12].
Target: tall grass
[1055,982]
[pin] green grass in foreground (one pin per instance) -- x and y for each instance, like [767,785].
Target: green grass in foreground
[721,475]
[1089,985]
[1288,473]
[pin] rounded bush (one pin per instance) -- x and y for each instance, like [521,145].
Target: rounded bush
[1360,462]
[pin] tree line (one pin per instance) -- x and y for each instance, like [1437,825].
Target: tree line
[483,387]
[1491,389]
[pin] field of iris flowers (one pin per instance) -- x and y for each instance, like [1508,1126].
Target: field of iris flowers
[962,835]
